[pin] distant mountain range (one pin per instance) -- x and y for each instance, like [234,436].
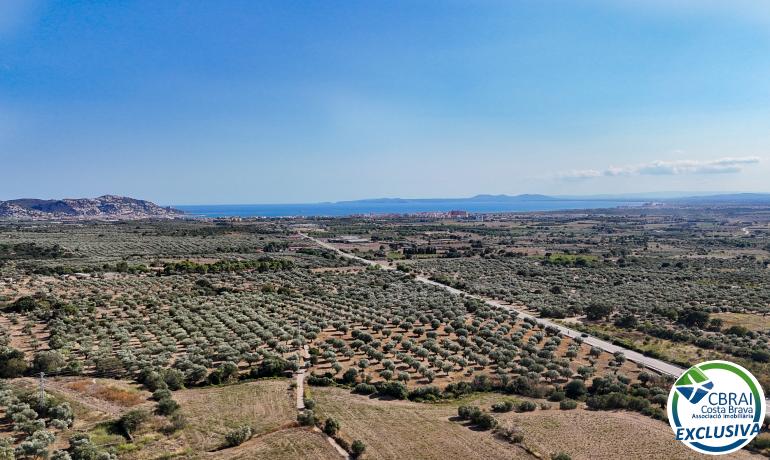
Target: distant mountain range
[666,197]
[474,199]
[103,207]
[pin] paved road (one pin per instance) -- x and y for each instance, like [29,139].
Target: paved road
[656,365]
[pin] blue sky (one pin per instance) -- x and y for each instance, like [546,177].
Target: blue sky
[286,101]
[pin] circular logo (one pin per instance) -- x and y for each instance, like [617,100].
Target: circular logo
[716,407]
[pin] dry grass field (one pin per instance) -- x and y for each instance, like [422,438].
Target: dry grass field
[398,429]
[289,444]
[595,435]
[266,406]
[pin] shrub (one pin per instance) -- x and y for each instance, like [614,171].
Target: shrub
[152,380]
[575,389]
[349,377]
[81,448]
[167,406]
[173,378]
[357,448]
[428,393]
[12,363]
[568,404]
[560,456]
[464,412]
[132,420]
[306,418]
[238,436]
[162,393]
[510,433]
[393,389]
[485,421]
[364,389]
[317,381]
[48,361]
[331,427]
[271,367]
[557,396]
[526,406]
[504,406]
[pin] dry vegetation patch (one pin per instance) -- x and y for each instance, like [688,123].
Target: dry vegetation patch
[265,406]
[289,444]
[598,435]
[399,429]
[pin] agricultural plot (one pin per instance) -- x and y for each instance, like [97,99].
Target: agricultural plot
[580,433]
[188,309]
[681,284]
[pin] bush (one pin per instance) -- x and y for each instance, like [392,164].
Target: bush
[317,381]
[364,389]
[393,389]
[12,363]
[428,393]
[271,367]
[557,396]
[306,418]
[132,420]
[575,389]
[485,421]
[81,448]
[504,406]
[465,412]
[166,406]
[510,433]
[349,377]
[162,393]
[568,404]
[331,427]
[238,436]
[560,456]
[152,380]
[48,361]
[357,448]
[173,378]
[526,406]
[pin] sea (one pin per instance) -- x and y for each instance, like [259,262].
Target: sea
[375,207]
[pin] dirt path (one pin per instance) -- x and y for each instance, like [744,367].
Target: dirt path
[300,386]
[300,376]
[334,444]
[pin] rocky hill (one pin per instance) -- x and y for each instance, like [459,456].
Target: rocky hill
[104,207]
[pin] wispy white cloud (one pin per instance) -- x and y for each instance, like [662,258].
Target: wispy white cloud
[665,168]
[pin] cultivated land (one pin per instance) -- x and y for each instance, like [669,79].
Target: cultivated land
[193,329]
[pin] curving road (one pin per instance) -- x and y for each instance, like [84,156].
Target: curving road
[662,367]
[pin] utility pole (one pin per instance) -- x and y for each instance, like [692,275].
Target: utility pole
[42,389]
